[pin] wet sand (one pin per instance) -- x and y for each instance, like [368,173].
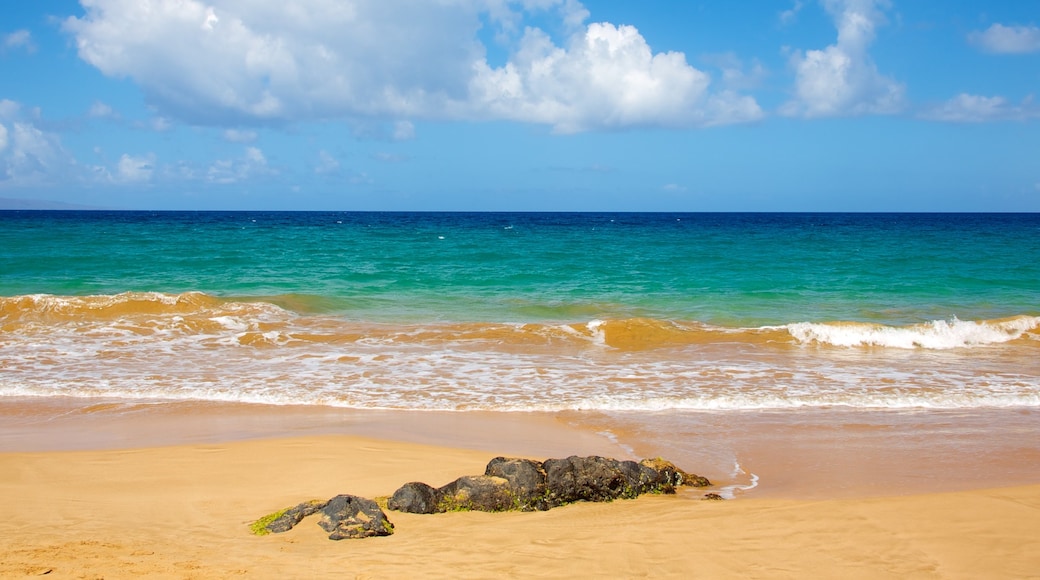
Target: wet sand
[121,490]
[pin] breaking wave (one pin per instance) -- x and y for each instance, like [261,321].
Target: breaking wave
[255,322]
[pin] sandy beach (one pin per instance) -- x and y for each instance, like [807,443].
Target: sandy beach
[164,505]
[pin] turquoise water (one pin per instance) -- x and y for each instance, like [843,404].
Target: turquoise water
[728,269]
[457,311]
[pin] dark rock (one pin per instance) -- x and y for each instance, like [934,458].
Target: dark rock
[524,484]
[696,480]
[349,516]
[585,479]
[713,497]
[643,479]
[526,480]
[477,492]
[672,475]
[293,515]
[415,498]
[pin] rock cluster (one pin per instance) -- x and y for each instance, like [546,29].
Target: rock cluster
[507,484]
[525,484]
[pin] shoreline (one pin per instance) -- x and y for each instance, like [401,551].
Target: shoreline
[183,511]
[807,454]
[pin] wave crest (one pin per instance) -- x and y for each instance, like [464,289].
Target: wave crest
[263,322]
[937,334]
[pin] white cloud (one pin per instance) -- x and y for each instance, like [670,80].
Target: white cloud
[735,74]
[388,157]
[132,169]
[19,39]
[158,124]
[9,109]
[790,15]
[250,165]
[673,188]
[239,136]
[404,131]
[607,78]
[233,62]
[376,130]
[965,108]
[361,179]
[100,110]
[326,163]
[29,156]
[1002,39]
[842,79]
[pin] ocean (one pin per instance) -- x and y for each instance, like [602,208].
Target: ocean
[628,315]
[524,311]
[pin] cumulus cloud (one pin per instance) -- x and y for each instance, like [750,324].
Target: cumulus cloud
[29,156]
[966,108]
[327,164]
[842,79]
[791,14]
[607,77]
[239,136]
[231,62]
[250,165]
[19,39]
[160,124]
[1000,39]
[403,131]
[132,169]
[99,110]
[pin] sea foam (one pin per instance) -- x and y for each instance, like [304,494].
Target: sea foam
[937,334]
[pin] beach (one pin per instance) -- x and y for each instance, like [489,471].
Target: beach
[861,389]
[176,497]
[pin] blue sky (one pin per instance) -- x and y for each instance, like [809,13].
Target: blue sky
[785,105]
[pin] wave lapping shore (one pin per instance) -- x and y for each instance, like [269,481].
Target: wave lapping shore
[237,350]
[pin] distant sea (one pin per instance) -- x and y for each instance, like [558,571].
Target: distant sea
[524,311]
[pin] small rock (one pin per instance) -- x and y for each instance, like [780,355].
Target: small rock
[415,498]
[349,516]
[293,515]
[585,479]
[477,492]
[526,480]
[673,475]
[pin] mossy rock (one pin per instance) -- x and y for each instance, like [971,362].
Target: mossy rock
[284,520]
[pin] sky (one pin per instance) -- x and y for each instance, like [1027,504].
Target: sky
[521,105]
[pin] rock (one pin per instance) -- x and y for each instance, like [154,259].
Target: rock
[349,516]
[293,515]
[643,479]
[524,484]
[526,479]
[415,498]
[585,479]
[712,497]
[674,476]
[477,492]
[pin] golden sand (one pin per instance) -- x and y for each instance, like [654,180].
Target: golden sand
[183,512]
